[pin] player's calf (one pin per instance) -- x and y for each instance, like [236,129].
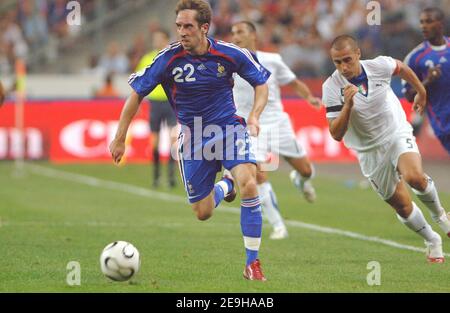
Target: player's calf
[204,208]
[404,210]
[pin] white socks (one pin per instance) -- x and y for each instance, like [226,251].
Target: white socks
[417,223]
[430,198]
[269,205]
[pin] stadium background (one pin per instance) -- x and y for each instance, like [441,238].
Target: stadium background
[69,119]
[67,66]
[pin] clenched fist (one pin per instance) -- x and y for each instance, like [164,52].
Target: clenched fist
[420,102]
[349,92]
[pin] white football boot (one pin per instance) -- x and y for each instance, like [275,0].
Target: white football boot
[305,187]
[434,250]
[279,233]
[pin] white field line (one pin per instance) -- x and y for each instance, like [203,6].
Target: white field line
[102,183]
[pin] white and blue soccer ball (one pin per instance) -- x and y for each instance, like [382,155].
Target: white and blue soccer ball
[120,261]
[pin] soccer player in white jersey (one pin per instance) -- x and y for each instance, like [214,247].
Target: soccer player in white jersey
[273,117]
[363,110]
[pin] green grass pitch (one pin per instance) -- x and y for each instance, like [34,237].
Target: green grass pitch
[48,220]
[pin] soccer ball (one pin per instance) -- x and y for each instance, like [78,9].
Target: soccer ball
[120,260]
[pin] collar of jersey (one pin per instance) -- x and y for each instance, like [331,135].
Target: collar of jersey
[360,78]
[441,47]
[211,41]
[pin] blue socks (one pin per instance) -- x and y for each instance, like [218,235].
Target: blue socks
[221,189]
[251,226]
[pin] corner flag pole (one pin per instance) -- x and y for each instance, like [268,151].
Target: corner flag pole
[21,72]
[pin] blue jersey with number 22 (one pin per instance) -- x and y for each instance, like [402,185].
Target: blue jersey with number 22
[200,85]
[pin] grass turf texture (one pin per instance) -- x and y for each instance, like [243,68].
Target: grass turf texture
[48,222]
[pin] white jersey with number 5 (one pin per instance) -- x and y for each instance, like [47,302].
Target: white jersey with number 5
[244,93]
[377,114]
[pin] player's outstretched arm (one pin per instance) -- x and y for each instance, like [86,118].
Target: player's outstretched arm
[433,74]
[117,146]
[407,74]
[302,90]
[339,125]
[261,96]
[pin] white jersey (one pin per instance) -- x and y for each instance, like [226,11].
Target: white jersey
[244,93]
[377,116]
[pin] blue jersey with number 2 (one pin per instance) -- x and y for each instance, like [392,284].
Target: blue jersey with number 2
[200,85]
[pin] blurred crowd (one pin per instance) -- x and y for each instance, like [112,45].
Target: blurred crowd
[119,60]
[28,27]
[300,30]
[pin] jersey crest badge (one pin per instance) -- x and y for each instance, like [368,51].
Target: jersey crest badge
[221,72]
[362,89]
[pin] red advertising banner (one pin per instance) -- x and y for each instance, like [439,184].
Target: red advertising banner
[81,130]
[72,131]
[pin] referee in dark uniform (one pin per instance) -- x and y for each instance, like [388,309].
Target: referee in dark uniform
[160,109]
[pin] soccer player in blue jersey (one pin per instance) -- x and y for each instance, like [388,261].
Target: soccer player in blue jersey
[431,62]
[196,74]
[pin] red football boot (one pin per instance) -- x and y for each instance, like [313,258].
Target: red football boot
[254,272]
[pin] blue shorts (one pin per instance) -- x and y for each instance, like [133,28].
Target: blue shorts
[202,153]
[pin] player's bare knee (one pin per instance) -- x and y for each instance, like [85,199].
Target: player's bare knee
[302,166]
[203,215]
[261,177]
[416,180]
[306,171]
[248,188]
[202,211]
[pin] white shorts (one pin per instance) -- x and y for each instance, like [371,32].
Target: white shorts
[277,138]
[379,166]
